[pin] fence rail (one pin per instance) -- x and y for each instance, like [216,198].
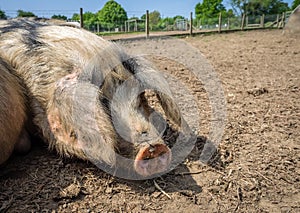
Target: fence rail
[179,26]
[193,26]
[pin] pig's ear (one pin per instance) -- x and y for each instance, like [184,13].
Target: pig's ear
[79,124]
[152,79]
[170,107]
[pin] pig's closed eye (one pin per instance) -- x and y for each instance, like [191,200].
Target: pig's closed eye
[144,133]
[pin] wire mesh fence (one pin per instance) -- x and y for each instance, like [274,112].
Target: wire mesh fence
[170,24]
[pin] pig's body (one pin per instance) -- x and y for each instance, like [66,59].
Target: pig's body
[13,113]
[71,77]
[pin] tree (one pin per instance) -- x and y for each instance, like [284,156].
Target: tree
[2,15]
[209,9]
[75,17]
[259,7]
[60,17]
[295,4]
[90,19]
[238,6]
[277,7]
[22,13]
[178,17]
[112,14]
[154,18]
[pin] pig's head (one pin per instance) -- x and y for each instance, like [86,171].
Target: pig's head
[102,115]
[140,129]
[137,123]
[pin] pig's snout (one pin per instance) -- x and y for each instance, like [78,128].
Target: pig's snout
[152,159]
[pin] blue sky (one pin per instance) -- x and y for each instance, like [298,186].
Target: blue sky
[47,8]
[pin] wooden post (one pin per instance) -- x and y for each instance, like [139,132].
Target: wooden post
[243,22]
[147,24]
[135,26]
[277,20]
[200,24]
[81,18]
[220,22]
[262,21]
[191,24]
[228,24]
[283,20]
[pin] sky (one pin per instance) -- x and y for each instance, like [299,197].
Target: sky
[47,8]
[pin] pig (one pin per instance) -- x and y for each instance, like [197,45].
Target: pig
[13,114]
[85,95]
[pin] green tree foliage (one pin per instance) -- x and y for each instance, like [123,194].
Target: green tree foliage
[158,23]
[22,13]
[112,14]
[75,17]
[209,9]
[60,17]
[295,4]
[230,13]
[90,19]
[259,7]
[178,17]
[154,19]
[2,15]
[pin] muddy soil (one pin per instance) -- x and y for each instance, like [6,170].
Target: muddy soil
[256,168]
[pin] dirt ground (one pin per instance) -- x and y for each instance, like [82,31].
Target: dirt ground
[256,169]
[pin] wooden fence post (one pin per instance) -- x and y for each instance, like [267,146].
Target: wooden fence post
[81,18]
[283,20]
[277,20]
[191,24]
[200,24]
[228,24]
[147,24]
[243,22]
[135,26]
[220,22]
[262,21]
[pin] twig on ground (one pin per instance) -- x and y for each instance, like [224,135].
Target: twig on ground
[160,189]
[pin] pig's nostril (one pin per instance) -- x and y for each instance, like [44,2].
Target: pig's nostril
[146,158]
[151,149]
[162,153]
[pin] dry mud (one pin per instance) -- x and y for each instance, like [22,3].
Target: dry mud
[256,168]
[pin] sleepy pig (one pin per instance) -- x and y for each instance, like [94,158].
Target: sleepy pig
[84,96]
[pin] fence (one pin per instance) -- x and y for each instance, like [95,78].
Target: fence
[194,26]
[180,25]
